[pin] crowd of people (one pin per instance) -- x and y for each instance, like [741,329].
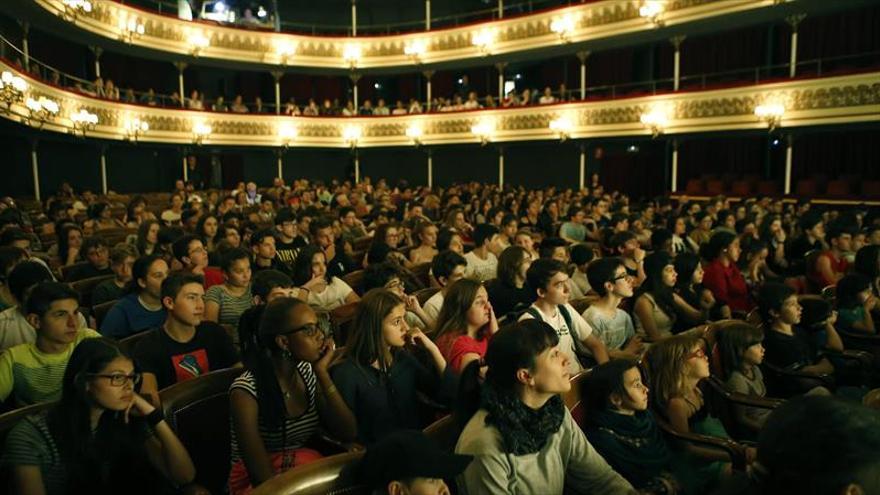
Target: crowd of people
[490,304]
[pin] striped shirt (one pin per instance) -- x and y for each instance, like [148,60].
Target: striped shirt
[231,307]
[34,376]
[296,431]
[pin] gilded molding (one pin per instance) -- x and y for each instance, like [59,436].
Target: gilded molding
[589,22]
[820,101]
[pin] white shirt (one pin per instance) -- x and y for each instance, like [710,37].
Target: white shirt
[332,297]
[481,269]
[15,329]
[569,339]
[432,307]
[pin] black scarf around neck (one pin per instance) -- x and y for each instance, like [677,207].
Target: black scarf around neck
[524,430]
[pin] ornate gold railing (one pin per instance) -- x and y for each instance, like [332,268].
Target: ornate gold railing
[801,102]
[604,19]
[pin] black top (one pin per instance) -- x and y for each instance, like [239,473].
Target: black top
[171,361]
[505,298]
[790,352]
[796,251]
[87,271]
[287,251]
[341,263]
[277,264]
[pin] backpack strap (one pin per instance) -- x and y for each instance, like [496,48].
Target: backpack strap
[535,313]
[565,316]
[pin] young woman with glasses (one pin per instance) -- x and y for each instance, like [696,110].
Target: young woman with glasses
[102,437]
[284,396]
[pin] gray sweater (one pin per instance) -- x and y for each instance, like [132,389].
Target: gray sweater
[567,463]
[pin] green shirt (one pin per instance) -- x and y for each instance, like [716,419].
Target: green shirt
[34,376]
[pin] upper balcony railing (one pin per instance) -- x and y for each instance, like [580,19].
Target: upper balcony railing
[573,27]
[266,19]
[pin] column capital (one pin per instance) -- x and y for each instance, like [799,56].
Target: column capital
[795,19]
[677,40]
[428,74]
[583,55]
[277,74]
[500,66]
[181,66]
[355,77]
[96,50]
[25,27]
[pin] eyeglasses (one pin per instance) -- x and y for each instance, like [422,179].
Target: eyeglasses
[699,353]
[625,276]
[120,379]
[312,330]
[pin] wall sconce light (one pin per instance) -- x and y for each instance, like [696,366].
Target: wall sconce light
[771,113]
[351,134]
[135,128]
[415,132]
[83,121]
[198,42]
[200,132]
[483,130]
[657,120]
[484,39]
[285,50]
[652,10]
[130,29]
[351,52]
[562,127]
[415,49]
[12,89]
[287,134]
[40,110]
[563,26]
[73,8]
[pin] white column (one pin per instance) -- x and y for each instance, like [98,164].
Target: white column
[582,169]
[430,169]
[35,166]
[185,171]
[25,48]
[789,148]
[181,66]
[357,167]
[793,21]
[354,21]
[427,15]
[582,56]
[103,170]
[674,173]
[97,51]
[500,167]
[676,67]
[277,75]
[501,9]
[280,167]
[428,75]
[354,83]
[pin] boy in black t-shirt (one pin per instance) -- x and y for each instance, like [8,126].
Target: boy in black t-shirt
[184,347]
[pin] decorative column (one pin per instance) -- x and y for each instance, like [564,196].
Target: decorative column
[582,56]
[181,66]
[35,168]
[354,20]
[104,169]
[279,154]
[676,67]
[427,15]
[674,172]
[357,167]
[428,75]
[277,75]
[793,21]
[500,66]
[500,167]
[789,149]
[501,9]
[97,51]
[185,170]
[582,168]
[354,84]
[25,47]
[430,169]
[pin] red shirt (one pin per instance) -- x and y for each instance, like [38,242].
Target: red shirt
[213,276]
[454,347]
[837,266]
[728,285]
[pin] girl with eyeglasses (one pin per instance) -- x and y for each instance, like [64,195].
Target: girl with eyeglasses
[284,397]
[102,437]
[676,366]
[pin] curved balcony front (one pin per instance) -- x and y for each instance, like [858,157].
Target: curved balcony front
[835,100]
[591,26]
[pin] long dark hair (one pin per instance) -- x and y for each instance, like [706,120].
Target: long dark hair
[512,348]
[63,242]
[653,283]
[508,264]
[143,231]
[456,303]
[139,270]
[604,381]
[365,344]
[733,341]
[302,267]
[275,320]
[83,452]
